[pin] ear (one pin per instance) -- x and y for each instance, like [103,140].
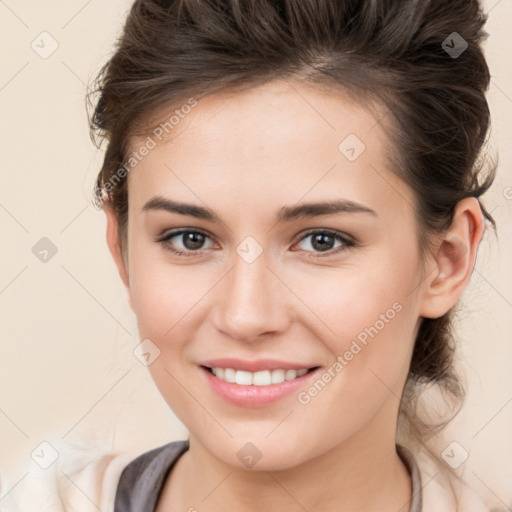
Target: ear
[115,249]
[454,260]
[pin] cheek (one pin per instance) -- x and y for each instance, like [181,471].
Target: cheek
[370,354]
[366,317]
[349,302]
[168,308]
[163,294]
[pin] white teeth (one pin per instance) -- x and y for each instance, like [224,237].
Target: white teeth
[261,378]
[290,374]
[277,376]
[243,378]
[229,374]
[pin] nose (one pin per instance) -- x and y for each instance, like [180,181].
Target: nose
[252,301]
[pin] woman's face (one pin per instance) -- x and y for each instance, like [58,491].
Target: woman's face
[268,283]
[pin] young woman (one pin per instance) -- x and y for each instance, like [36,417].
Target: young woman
[292,196]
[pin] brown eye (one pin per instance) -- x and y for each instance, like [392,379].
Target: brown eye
[184,242]
[325,242]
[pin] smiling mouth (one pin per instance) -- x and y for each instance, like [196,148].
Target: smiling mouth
[260,378]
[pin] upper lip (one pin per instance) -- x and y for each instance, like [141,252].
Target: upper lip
[256,365]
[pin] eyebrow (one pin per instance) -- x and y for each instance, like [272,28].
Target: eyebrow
[286,213]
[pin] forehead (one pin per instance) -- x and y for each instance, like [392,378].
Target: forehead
[276,113]
[283,138]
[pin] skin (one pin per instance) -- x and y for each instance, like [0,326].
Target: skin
[246,155]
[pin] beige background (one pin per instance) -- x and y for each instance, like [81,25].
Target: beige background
[68,374]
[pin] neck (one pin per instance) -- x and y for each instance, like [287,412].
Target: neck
[362,473]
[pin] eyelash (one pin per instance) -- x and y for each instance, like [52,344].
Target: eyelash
[348,243]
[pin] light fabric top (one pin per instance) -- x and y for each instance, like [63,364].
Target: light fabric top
[124,483]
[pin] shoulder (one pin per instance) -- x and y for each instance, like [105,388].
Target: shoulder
[442,493]
[77,481]
[85,485]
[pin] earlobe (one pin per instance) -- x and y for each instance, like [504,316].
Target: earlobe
[454,260]
[115,249]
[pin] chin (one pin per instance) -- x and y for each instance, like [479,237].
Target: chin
[259,455]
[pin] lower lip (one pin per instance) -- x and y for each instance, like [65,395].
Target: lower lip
[255,396]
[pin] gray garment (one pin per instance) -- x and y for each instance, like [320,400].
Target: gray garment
[142,480]
[410,462]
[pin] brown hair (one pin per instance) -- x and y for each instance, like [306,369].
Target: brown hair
[399,54]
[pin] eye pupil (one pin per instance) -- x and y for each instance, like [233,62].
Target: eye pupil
[193,240]
[325,241]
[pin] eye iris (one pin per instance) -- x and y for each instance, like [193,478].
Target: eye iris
[193,240]
[326,241]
